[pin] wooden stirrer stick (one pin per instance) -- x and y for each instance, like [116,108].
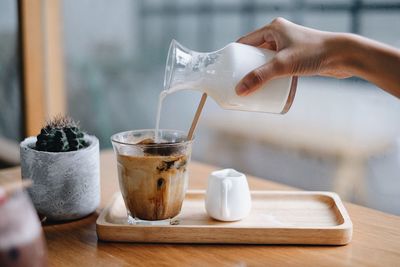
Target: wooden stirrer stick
[197,116]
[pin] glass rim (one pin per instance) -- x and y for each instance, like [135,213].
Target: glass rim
[185,142]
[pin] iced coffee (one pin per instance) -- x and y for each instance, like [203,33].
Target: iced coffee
[153,176]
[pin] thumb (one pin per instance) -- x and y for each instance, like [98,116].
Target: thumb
[258,77]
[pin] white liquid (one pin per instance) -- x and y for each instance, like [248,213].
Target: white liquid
[161,98]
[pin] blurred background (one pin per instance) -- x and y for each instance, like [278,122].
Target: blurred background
[340,135]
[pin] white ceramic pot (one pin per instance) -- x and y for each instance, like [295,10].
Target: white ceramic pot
[66,185]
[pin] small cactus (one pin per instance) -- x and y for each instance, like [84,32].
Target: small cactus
[60,135]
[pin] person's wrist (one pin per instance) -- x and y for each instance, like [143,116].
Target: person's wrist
[343,53]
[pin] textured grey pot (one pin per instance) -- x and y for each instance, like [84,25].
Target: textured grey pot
[66,185]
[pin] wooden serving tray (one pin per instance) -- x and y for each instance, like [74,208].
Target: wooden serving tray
[277,217]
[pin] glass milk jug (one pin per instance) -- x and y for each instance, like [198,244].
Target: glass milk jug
[217,73]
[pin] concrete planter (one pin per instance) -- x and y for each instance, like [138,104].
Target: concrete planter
[66,185]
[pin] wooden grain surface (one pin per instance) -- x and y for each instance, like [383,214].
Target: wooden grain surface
[376,238]
[276,217]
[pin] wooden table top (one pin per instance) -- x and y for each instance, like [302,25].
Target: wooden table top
[376,237]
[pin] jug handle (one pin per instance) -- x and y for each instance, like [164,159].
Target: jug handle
[226,186]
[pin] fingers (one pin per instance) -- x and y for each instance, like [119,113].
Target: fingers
[264,35]
[258,77]
[264,39]
[255,38]
[269,45]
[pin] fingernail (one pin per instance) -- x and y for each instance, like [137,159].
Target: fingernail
[241,89]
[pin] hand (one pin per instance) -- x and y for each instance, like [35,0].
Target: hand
[300,51]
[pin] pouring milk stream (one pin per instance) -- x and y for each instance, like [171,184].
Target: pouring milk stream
[217,73]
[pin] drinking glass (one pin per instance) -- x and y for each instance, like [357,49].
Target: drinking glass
[153,177]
